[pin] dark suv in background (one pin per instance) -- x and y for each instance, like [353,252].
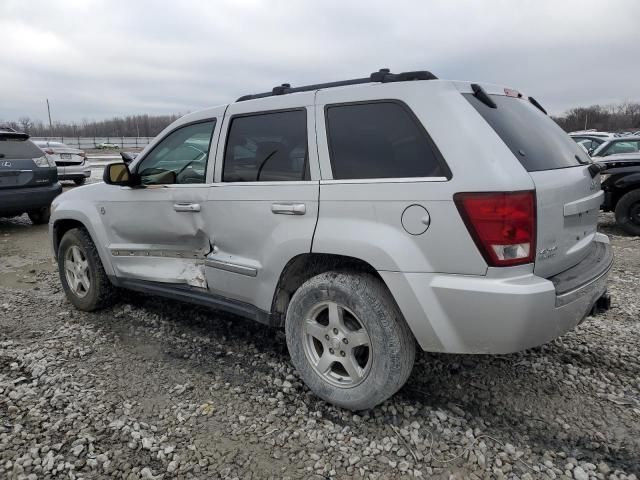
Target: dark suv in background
[28,178]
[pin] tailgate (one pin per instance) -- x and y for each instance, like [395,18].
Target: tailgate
[16,173]
[568,202]
[567,197]
[17,165]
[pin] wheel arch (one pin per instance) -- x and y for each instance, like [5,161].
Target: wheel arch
[61,225]
[307,265]
[622,188]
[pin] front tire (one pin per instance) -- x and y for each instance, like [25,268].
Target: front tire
[80,181]
[40,216]
[628,212]
[83,278]
[348,339]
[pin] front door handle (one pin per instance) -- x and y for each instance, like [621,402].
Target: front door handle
[186,207]
[288,208]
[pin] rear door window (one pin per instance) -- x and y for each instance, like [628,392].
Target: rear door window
[533,137]
[265,147]
[380,140]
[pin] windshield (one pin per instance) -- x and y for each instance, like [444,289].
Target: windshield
[534,138]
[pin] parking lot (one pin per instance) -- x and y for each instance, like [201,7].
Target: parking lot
[152,388]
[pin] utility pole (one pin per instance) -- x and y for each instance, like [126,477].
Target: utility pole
[50,124]
[586,119]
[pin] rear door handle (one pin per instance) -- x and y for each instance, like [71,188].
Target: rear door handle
[288,208]
[186,207]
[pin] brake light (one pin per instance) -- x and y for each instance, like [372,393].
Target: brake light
[83,155]
[502,224]
[49,151]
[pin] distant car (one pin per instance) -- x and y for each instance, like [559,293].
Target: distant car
[591,140]
[592,133]
[621,184]
[28,178]
[589,143]
[630,144]
[72,162]
[105,145]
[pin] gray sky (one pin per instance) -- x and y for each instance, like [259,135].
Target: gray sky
[94,59]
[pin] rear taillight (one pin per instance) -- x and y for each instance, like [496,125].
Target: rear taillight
[83,155]
[49,151]
[503,225]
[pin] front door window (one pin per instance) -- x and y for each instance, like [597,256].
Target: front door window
[179,158]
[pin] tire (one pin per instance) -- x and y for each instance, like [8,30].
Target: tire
[365,310]
[628,212]
[80,181]
[40,216]
[99,292]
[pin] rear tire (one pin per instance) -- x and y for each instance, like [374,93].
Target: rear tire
[348,339]
[82,275]
[40,216]
[628,212]
[80,181]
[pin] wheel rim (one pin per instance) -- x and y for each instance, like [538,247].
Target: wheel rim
[337,345]
[634,213]
[76,269]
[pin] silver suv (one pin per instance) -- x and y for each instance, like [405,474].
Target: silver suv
[365,217]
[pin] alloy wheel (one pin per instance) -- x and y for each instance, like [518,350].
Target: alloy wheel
[337,345]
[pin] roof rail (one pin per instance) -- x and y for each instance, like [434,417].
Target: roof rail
[382,76]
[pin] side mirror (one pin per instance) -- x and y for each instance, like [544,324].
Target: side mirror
[117,174]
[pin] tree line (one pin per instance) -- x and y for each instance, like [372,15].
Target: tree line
[129,126]
[609,118]
[621,117]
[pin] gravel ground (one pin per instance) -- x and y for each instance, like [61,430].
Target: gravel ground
[154,389]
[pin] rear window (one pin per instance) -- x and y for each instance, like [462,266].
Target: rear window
[534,138]
[18,149]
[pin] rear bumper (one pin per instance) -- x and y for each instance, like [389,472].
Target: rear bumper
[71,172]
[506,311]
[15,201]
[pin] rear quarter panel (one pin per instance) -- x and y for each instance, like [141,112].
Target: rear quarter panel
[362,218]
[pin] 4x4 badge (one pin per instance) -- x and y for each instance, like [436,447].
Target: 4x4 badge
[6,164]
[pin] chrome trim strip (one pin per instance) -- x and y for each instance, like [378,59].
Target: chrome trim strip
[385,180]
[585,289]
[231,267]
[120,252]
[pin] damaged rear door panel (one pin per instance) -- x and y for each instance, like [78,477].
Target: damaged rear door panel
[263,206]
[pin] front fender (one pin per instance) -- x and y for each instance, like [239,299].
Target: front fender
[75,206]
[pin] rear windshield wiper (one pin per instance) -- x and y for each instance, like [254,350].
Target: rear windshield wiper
[535,103]
[481,95]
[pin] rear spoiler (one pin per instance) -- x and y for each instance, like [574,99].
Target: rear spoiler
[4,135]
